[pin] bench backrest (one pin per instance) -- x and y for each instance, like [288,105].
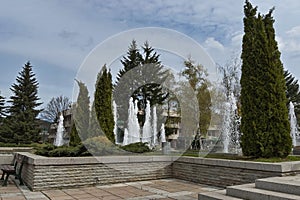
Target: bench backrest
[19,165]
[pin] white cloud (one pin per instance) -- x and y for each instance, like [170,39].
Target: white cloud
[236,40]
[211,43]
[294,32]
[280,42]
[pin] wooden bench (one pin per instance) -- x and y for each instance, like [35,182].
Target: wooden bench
[14,170]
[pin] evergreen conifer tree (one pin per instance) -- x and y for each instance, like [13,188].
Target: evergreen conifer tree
[21,125]
[94,127]
[264,124]
[4,134]
[81,111]
[292,92]
[103,103]
[74,136]
[141,79]
[2,109]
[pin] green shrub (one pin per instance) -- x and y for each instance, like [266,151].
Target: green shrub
[138,147]
[100,145]
[63,151]
[44,149]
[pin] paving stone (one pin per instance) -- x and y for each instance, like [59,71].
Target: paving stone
[62,198]
[54,193]
[82,196]
[14,198]
[111,197]
[140,190]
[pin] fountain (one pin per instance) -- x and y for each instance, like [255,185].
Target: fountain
[148,133]
[147,129]
[133,123]
[154,126]
[125,140]
[60,132]
[162,133]
[293,123]
[115,120]
[230,123]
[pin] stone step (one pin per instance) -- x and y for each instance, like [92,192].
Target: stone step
[248,191]
[288,184]
[216,195]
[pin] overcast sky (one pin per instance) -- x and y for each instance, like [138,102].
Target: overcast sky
[56,36]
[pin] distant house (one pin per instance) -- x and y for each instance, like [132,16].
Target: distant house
[67,114]
[171,111]
[44,127]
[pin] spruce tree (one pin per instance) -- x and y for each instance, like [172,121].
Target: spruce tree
[292,92]
[81,111]
[2,109]
[141,79]
[125,83]
[264,124]
[4,134]
[103,103]
[153,76]
[132,60]
[21,124]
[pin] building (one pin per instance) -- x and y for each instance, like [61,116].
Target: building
[67,114]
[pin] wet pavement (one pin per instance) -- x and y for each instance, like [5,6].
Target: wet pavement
[154,189]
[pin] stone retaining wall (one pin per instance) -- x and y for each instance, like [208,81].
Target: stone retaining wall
[42,173]
[7,153]
[222,173]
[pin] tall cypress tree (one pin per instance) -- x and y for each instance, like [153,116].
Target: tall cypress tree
[21,124]
[81,111]
[94,126]
[264,124]
[74,136]
[103,103]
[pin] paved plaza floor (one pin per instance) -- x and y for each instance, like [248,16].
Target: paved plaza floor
[154,189]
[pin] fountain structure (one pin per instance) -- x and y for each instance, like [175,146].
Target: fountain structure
[162,133]
[293,123]
[147,128]
[154,139]
[59,141]
[115,120]
[134,133]
[230,130]
[133,126]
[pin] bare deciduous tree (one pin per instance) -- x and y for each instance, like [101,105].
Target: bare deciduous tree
[54,107]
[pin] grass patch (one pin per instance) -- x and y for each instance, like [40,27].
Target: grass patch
[245,158]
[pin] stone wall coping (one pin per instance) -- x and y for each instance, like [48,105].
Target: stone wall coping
[4,150]
[261,166]
[42,160]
